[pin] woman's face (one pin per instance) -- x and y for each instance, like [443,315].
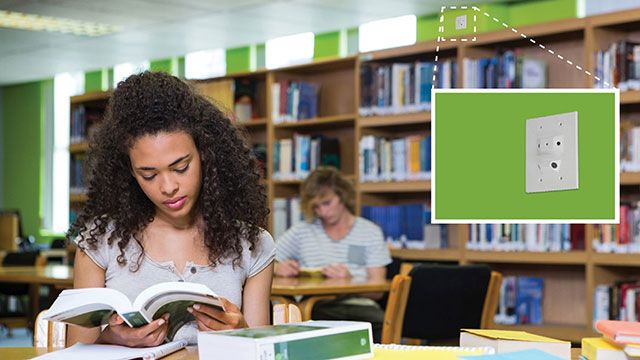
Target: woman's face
[167,168]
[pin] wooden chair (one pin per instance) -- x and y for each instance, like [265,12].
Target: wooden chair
[421,318]
[395,310]
[21,317]
[53,334]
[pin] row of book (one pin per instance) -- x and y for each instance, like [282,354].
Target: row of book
[295,158]
[76,173]
[520,301]
[83,121]
[629,147]
[407,225]
[526,237]
[617,301]
[620,238]
[619,66]
[395,88]
[286,213]
[294,100]
[505,70]
[386,159]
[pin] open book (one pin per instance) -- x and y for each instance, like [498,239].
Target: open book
[90,307]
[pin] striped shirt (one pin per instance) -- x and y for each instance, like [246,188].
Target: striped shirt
[361,248]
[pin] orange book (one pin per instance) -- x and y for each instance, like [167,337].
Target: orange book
[621,332]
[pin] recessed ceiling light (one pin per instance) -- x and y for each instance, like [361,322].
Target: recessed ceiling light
[31,22]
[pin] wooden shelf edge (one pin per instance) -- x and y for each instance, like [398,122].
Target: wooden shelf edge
[253,123]
[428,46]
[427,254]
[78,147]
[324,120]
[421,117]
[608,259]
[91,96]
[630,178]
[394,187]
[77,197]
[527,257]
[629,97]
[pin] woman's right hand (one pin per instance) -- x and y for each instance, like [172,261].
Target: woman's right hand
[119,333]
[287,268]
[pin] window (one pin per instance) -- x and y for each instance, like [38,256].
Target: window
[289,50]
[387,33]
[124,70]
[56,177]
[205,64]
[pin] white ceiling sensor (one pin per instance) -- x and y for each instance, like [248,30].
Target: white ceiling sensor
[552,153]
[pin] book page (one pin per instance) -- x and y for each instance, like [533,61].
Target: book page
[174,298]
[81,351]
[87,307]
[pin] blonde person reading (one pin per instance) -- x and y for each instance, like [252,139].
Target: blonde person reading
[334,239]
[174,194]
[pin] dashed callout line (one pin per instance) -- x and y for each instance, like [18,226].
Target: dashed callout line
[524,36]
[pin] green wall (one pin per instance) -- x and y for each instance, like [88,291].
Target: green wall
[22,146]
[480,156]
[239,59]
[533,12]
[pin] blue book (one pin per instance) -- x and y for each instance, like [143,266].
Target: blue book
[529,299]
[308,102]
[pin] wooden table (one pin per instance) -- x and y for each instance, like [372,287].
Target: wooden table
[60,276]
[190,353]
[314,289]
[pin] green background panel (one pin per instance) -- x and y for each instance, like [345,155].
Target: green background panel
[427,27]
[93,81]
[482,22]
[480,156]
[327,45]
[534,12]
[238,59]
[164,65]
[22,150]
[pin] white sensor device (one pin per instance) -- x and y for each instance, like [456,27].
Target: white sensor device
[551,152]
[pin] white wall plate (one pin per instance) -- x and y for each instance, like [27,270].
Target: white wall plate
[552,153]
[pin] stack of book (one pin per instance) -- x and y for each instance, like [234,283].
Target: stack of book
[620,340]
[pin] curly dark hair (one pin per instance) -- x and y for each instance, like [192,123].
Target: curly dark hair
[232,200]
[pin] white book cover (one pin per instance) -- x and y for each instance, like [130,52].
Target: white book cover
[324,339]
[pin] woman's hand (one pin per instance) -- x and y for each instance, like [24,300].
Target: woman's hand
[211,318]
[119,333]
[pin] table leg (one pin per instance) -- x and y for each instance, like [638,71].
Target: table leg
[34,299]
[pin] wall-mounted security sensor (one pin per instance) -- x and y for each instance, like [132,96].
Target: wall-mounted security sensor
[552,153]
[461,22]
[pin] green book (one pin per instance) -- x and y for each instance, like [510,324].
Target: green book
[308,340]
[91,307]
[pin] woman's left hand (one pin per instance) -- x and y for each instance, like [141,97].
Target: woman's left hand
[211,318]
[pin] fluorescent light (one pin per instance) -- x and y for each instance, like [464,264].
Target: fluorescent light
[289,50]
[387,33]
[32,22]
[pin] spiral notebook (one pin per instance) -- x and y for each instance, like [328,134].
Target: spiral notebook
[409,352]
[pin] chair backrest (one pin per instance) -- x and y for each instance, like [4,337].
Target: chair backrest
[48,334]
[9,230]
[286,313]
[23,258]
[53,334]
[395,310]
[446,298]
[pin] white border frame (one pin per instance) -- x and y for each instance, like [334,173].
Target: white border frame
[616,159]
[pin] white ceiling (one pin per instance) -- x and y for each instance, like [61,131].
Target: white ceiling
[156,29]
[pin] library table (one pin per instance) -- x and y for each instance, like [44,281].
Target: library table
[313,289]
[61,276]
[190,353]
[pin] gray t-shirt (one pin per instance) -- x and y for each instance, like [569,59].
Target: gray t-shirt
[224,280]
[309,244]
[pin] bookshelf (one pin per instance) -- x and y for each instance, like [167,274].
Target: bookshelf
[85,111]
[570,277]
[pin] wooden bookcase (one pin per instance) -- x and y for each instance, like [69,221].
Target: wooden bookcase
[570,277]
[95,102]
